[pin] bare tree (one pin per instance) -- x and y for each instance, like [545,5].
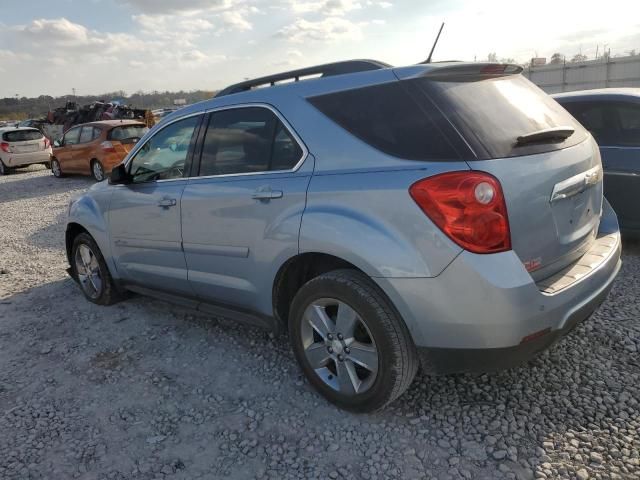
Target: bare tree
[632,52]
[557,58]
[579,57]
[492,57]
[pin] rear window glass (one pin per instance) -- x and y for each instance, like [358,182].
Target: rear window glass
[128,131]
[22,136]
[387,118]
[492,113]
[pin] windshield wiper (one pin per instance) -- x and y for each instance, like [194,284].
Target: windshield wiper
[558,134]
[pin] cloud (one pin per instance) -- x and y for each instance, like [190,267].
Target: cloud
[235,20]
[173,6]
[329,29]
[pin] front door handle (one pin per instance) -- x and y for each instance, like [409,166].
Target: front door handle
[265,193]
[167,202]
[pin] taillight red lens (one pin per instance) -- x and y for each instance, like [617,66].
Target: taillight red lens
[47,143]
[469,207]
[5,147]
[107,146]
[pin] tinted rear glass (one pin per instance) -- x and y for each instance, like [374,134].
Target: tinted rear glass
[389,119]
[22,136]
[128,131]
[492,113]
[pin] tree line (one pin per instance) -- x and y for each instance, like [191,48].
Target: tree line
[15,108]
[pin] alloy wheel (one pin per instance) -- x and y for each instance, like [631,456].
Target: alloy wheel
[88,271]
[98,172]
[339,346]
[55,168]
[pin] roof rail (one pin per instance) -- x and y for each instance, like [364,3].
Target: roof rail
[327,70]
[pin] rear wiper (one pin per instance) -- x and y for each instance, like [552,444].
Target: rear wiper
[546,135]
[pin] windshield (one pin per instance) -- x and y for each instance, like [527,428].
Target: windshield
[492,113]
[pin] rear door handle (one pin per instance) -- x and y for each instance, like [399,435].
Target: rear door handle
[266,194]
[167,202]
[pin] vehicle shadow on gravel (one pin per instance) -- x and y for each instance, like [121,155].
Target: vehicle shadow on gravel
[150,385]
[14,189]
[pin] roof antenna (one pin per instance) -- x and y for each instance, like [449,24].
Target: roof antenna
[428,60]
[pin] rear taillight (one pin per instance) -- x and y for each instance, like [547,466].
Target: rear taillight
[107,146]
[468,207]
[47,143]
[4,146]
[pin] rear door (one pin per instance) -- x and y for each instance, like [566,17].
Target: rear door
[549,168]
[616,127]
[241,214]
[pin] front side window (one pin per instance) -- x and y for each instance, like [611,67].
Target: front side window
[165,154]
[629,122]
[247,140]
[72,136]
[610,123]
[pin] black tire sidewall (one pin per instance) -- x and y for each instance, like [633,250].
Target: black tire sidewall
[323,287]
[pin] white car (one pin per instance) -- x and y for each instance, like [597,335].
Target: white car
[20,147]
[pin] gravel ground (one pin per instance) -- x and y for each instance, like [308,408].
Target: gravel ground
[147,390]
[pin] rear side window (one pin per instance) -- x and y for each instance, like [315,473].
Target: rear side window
[22,136]
[86,135]
[611,123]
[390,120]
[491,113]
[126,132]
[247,140]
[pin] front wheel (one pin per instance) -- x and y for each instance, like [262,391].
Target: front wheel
[55,168]
[351,344]
[91,271]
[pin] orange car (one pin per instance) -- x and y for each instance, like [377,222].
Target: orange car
[95,148]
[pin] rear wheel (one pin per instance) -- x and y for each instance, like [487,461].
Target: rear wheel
[351,344]
[97,170]
[4,170]
[91,271]
[55,168]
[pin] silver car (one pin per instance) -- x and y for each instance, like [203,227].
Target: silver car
[449,215]
[21,147]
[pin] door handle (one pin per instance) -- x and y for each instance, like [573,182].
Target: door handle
[167,202]
[266,194]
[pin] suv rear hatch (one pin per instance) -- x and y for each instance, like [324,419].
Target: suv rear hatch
[546,162]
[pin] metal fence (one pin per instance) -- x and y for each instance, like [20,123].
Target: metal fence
[565,77]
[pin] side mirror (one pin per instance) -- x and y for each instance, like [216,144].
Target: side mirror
[57,143]
[119,175]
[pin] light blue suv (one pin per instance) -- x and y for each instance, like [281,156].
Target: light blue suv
[445,214]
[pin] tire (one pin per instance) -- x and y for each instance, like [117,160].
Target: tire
[97,171]
[56,169]
[343,367]
[101,289]
[4,170]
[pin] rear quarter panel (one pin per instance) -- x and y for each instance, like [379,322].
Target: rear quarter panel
[369,219]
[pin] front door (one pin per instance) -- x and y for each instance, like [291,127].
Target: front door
[145,214]
[241,214]
[64,153]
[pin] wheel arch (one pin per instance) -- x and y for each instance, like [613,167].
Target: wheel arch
[297,271]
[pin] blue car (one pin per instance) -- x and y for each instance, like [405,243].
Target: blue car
[449,215]
[612,115]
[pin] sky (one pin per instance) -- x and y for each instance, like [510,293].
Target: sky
[49,47]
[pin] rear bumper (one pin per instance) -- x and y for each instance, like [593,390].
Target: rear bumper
[19,159]
[480,311]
